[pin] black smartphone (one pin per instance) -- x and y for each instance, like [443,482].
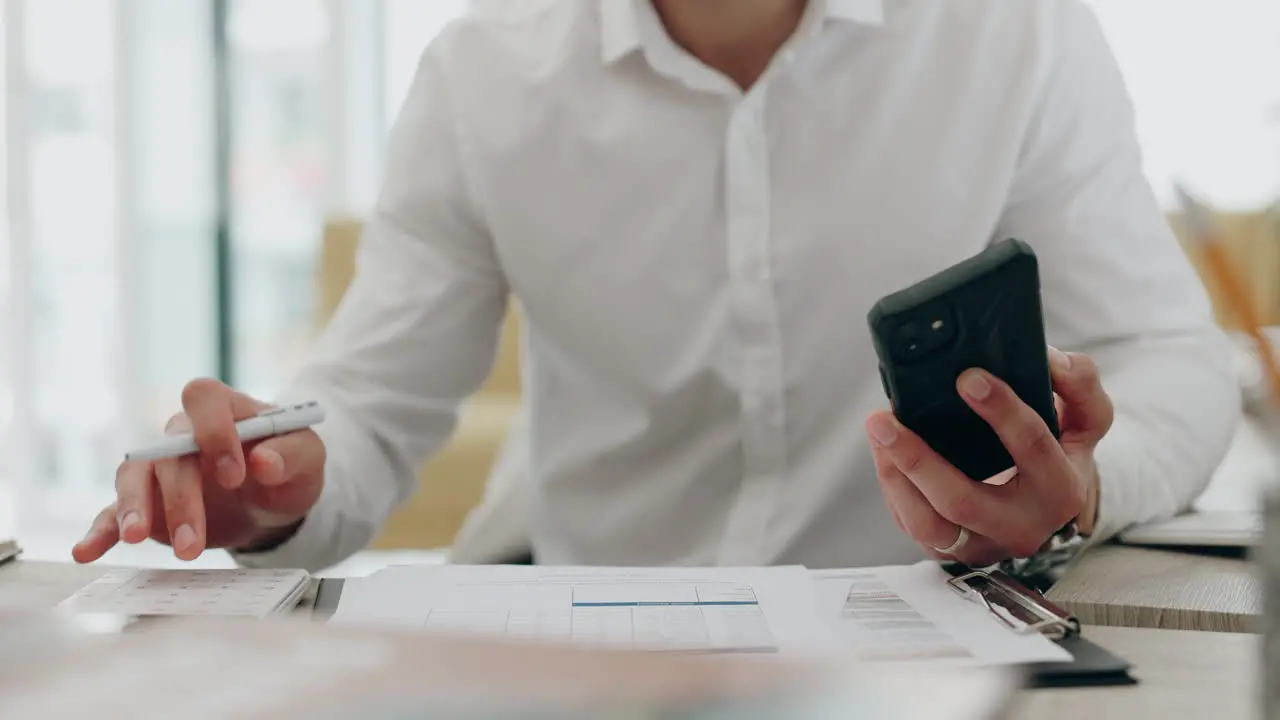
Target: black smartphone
[983,312]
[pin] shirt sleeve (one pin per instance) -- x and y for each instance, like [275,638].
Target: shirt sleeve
[415,334]
[1117,285]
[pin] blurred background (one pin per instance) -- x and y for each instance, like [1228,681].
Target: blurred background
[177,174]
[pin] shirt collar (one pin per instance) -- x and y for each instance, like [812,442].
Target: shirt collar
[620,24]
[619,28]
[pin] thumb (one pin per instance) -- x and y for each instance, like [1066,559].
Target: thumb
[279,460]
[1086,411]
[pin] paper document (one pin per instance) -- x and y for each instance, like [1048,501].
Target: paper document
[706,610]
[910,614]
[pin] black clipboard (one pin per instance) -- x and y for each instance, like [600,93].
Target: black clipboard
[1024,610]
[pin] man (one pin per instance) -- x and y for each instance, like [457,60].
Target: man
[696,203]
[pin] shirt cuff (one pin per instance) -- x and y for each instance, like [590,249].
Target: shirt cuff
[327,536]
[304,548]
[1119,463]
[342,522]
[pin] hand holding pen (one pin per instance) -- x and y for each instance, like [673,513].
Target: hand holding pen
[232,472]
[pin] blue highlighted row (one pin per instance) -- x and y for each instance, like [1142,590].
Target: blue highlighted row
[665,604]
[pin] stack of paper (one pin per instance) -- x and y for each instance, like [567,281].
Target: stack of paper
[691,610]
[892,614]
[889,615]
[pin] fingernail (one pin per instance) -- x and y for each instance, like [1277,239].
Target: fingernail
[975,385]
[1059,359]
[184,538]
[884,431]
[128,521]
[273,459]
[228,471]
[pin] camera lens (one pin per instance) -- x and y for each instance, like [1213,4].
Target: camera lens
[910,341]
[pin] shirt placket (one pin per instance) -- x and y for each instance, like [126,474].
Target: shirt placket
[755,316]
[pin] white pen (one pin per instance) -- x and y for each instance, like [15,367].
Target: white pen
[276,421]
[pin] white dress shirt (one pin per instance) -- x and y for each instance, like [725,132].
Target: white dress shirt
[696,263]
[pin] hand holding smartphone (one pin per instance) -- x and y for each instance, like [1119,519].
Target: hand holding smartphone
[984,312]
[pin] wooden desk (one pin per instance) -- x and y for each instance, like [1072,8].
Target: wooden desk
[1124,586]
[1183,674]
[43,584]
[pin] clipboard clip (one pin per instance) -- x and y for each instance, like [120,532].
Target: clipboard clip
[1020,609]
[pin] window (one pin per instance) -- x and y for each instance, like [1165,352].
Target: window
[11,463]
[279,176]
[168,190]
[74,293]
[1204,81]
[306,146]
[108,282]
[108,238]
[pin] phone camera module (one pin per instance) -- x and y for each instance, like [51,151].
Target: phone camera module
[917,339]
